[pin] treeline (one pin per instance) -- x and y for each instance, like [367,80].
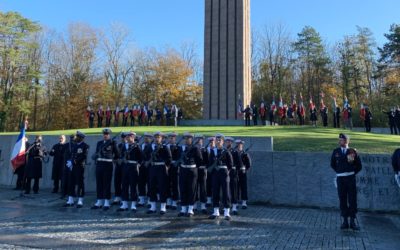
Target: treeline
[52,77]
[355,67]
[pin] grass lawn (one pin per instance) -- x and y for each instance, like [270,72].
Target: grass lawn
[291,138]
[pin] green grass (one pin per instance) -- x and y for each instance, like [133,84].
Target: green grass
[292,138]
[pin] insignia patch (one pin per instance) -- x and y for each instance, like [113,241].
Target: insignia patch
[80,151]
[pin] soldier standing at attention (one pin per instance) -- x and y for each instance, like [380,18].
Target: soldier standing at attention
[233,174]
[158,174]
[132,157]
[243,165]
[221,159]
[100,115]
[191,161]
[106,152]
[210,171]
[76,160]
[58,152]
[346,163]
[144,169]
[118,173]
[173,172]
[202,174]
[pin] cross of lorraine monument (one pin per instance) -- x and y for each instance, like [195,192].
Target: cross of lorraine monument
[227,62]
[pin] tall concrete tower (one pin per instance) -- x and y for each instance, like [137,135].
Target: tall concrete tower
[227,62]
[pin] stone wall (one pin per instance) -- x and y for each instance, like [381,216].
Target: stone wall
[285,178]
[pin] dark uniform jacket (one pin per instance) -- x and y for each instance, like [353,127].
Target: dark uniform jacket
[222,157]
[176,152]
[160,153]
[132,153]
[107,149]
[191,155]
[396,160]
[78,154]
[349,162]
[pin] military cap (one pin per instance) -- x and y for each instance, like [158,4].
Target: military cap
[187,134]
[172,134]
[343,136]
[130,133]
[239,142]
[199,136]
[158,134]
[147,134]
[80,134]
[106,131]
[123,134]
[211,138]
[220,136]
[228,138]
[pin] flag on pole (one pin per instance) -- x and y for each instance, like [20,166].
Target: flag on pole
[18,153]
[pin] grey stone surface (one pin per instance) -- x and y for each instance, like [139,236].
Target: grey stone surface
[227,64]
[39,222]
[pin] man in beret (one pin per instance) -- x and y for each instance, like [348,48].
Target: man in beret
[106,153]
[346,163]
[221,158]
[158,174]
[191,160]
[76,160]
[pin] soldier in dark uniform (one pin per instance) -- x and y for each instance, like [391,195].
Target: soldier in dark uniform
[397,118]
[221,160]
[91,118]
[173,172]
[144,169]
[33,169]
[368,118]
[20,171]
[210,171]
[346,163]
[76,161]
[202,174]
[132,157]
[160,161]
[106,152]
[243,165]
[190,162]
[58,152]
[392,121]
[233,174]
[324,114]
[118,173]
[255,114]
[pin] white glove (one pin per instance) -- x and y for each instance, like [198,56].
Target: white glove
[335,181]
[69,165]
[397,178]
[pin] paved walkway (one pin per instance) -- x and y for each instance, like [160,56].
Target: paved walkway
[40,221]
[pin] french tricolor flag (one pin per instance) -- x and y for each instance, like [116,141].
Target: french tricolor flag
[18,153]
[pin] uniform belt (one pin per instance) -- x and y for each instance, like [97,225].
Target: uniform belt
[37,157]
[132,162]
[242,168]
[345,174]
[189,166]
[104,159]
[221,167]
[173,162]
[158,164]
[234,168]
[202,167]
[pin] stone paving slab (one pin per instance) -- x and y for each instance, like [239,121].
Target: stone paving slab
[40,222]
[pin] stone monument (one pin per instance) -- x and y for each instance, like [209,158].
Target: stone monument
[227,63]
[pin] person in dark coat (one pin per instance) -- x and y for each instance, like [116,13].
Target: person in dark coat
[346,163]
[397,118]
[368,118]
[244,164]
[392,121]
[58,152]
[33,169]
